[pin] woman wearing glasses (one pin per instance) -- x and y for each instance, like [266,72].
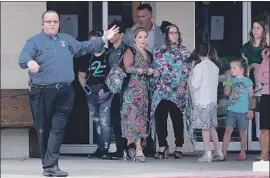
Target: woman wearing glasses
[171,93]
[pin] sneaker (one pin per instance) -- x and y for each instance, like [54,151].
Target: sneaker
[259,157]
[105,155]
[96,154]
[207,157]
[54,171]
[218,156]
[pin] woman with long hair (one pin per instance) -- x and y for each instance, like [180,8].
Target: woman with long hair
[134,113]
[251,50]
[171,92]
[259,37]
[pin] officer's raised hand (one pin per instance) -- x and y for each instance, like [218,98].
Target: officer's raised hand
[33,66]
[108,34]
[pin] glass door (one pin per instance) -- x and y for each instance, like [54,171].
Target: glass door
[80,136]
[228,44]
[256,8]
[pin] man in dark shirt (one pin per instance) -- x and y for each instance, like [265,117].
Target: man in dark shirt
[93,70]
[114,54]
[49,57]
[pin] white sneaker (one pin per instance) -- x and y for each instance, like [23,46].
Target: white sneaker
[218,156]
[207,157]
[260,157]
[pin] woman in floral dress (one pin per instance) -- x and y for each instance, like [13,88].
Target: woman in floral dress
[134,111]
[171,93]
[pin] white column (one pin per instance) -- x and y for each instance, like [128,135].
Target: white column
[90,26]
[105,16]
[246,20]
[178,17]
[90,16]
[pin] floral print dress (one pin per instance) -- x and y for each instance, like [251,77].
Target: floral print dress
[174,68]
[134,112]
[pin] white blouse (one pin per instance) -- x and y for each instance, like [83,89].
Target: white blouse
[204,82]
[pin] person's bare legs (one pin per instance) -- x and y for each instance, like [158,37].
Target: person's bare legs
[139,157]
[215,139]
[265,144]
[226,139]
[139,151]
[207,157]
[129,152]
[128,142]
[243,136]
[258,132]
[218,155]
[206,140]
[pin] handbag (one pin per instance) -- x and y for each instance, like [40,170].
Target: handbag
[117,75]
[115,79]
[254,103]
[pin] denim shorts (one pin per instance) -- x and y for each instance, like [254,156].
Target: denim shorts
[237,120]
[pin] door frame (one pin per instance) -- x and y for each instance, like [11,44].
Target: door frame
[247,6]
[252,145]
[91,147]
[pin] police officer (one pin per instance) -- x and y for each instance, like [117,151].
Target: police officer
[49,57]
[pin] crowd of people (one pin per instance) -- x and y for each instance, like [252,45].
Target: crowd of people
[157,68]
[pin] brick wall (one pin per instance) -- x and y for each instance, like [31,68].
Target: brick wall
[19,21]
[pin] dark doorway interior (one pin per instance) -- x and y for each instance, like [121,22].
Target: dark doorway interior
[232,39]
[227,47]
[77,131]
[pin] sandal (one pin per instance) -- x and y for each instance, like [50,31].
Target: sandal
[139,159]
[139,156]
[129,153]
[241,157]
[177,154]
[162,155]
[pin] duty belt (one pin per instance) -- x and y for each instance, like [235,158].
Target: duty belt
[57,85]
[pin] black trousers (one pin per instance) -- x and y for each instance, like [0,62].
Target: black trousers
[161,115]
[50,109]
[116,123]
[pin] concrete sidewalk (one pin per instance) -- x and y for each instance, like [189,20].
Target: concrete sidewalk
[82,167]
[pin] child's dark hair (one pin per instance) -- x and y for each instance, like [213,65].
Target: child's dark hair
[242,63]
[118,24]
[194,57]
[206,50]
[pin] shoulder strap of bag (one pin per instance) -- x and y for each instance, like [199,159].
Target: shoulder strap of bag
[121,60]
[89,66]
